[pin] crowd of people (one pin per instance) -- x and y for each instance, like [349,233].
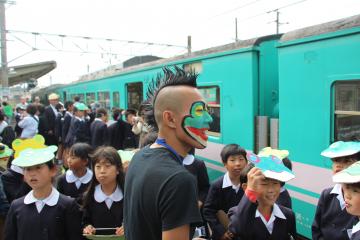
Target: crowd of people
[78,183]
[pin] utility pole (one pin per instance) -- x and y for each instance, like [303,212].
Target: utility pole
[277,21]
[236,31]
[4,68]
[189,45]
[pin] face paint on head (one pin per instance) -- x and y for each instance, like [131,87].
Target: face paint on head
[197,122]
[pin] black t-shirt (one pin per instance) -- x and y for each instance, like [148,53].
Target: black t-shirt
[160,195]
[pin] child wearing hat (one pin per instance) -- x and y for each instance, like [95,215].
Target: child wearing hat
[331,219]
[43,213]
[257,216]
[79,130]
[350,180]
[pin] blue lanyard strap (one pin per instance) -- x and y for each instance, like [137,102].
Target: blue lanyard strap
[162,142]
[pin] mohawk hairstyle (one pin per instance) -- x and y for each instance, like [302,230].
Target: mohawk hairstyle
[174,76]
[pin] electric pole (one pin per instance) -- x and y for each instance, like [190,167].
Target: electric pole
[4,70]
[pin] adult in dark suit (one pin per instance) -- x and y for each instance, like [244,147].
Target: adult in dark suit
[98,129]
[50,115]
[117,130]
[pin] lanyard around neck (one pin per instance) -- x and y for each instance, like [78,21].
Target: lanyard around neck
[162,142]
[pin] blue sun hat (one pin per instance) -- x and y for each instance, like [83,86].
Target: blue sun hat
[268,151]
[81,107]
[31,157]
[348,175]
[271,166]
[341,149]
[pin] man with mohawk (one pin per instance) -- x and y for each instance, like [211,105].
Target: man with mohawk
[160,194]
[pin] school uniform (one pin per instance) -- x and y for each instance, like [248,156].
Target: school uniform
[14,184]
[66,120]
[355,232]
[222,196]
[331,219]
[284,198]
[198,169]
[104,211]
[72,186]
[99,134]
[78,132]
[116,133]
[50,115]
[247,223]
[56,217]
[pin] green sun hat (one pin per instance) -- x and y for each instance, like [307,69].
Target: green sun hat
[126,155]
[31,157]
[348,175]
[81,107]
[341,149]
[5,151]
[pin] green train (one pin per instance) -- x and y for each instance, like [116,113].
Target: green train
[298,91]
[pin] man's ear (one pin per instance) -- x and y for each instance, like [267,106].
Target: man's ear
[169,119]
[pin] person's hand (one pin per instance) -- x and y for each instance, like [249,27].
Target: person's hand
[89,230]
[227,236]
[119,231]
[200,203]
[255,176]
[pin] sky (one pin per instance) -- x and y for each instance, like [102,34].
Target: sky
[209,23]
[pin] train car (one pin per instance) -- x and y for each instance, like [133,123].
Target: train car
[319,103]
[299,91]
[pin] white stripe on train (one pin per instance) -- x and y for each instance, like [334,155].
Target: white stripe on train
[308,177]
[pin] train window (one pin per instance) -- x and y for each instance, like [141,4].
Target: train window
[80,95]
[90,98]
[212,97]
[134,94]
[347,110]
[116,99]
[104,99]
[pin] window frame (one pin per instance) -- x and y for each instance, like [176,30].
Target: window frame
[334,100]
[217,136]
[127,94]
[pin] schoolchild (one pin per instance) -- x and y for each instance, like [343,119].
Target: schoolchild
[331,219]
[284,198]
[350,180]
[98,129]
[79,129]
[257,216]
[43,213]
[13,182]
[225,192]
[30,122]
[75,181]
[103,202]
[66,120]
[18,116]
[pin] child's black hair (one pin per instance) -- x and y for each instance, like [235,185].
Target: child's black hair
[287,162]
[31,109]
[68,104]
[244,172]
[354,185]
[130,111]
[231,150]
[40,108]
[109,154]
[81,150]
[100,112]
